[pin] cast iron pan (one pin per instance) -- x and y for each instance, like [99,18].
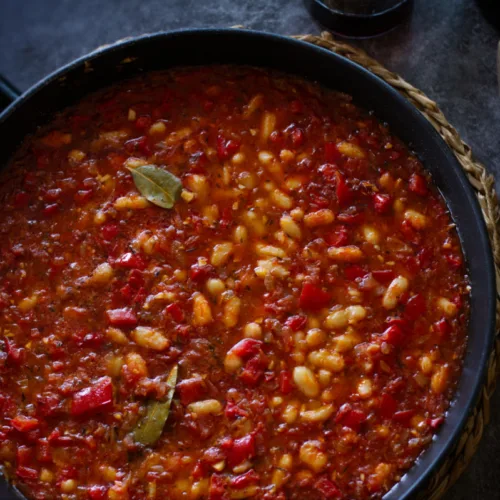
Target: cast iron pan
[196,47]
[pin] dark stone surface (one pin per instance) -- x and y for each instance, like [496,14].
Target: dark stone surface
[448,50]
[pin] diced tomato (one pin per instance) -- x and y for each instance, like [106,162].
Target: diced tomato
[97,492]
[254,370]
[328,489]
[25,424]
[332,154]
[351,217]
[50,209]
[27,473]
[130,260]
[136,278]
[382,203]
[244,480]
[246,348]
[403,417]
[226,149]
[175,312]
[454,261]
[353,272]
[191,389]
[313,298]
[109,231]
[388,406]
[295,323]
[239,450]
[43,452]
[122,317]
[21,199]
[138,145]
[418,184]
[15,355]
[415,307]
[393,335]
[350,417]
[285,382]
[436,423]
[343,191]
[442,328]
[232,410]
[217,489]
[384,275]
[297,137]
[24,455]
[47,404]
[83,196]
[339,238]
[200,273]
[98,397]
[143,122]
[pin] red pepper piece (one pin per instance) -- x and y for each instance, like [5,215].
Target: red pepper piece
[244,480]
[415,307]
[226,149]
[130,260]
[43,453]
[15,355]
[136,278]
[24,455]
[339,238]
[27,473]
[351,217]
[246,348]
[191,389]
[239,450]
[418,184]
[393,335]
[83,196]
[328,489]
[122,317]
[139,144]
[200,274]
[21,199]
[295,323]
[175,312]
[25,424]
[50,209]
[143,122]
[313,298]
[285,381]
[350,417]
[454,261]
[403,417]
[47,404]
[232,410]
[217,489]
[353,272]
[436,423]
[332,154]
[384,275]
[97,492]
[382,203]
[343,191]
[442,328]
[254,370]
[93,399]
[388,406]
[297,137]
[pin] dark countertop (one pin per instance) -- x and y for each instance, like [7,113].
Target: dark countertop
[448,50]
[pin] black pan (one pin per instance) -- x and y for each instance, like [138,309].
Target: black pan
[200,47]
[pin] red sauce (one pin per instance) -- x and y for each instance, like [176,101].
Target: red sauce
[308,285]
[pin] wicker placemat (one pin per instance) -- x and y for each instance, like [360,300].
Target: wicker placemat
[483,185]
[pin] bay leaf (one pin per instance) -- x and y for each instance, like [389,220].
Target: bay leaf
[157,185]
[150,428]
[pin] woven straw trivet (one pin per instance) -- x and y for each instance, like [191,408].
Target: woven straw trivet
[483,185]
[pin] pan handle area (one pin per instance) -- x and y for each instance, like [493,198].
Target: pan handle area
[8,93]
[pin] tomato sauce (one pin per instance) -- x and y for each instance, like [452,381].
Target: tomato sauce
[292,327]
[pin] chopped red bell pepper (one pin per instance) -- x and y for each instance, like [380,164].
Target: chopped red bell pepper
[200,274]
[328,489]
[382,203]
[93,399]
[25,424]
[384,275]
[332,154]
[122,317]
[343,191]
[313,298]
[350,417]
[130,260]
[388,406]
[175,312]
[393,335]
[285,381]
[246,348]
[239,449]
[354,271]
[403,417]
[191,389]
[244,480]
[295,323]
[415,307]
[418,184]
